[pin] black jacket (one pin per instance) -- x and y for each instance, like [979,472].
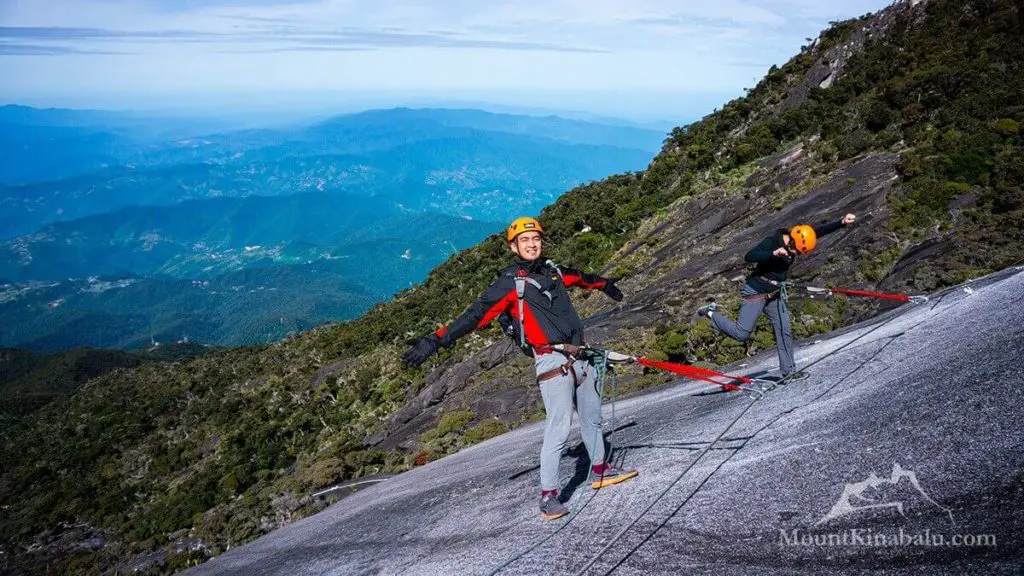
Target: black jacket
[549,315]
[772,267]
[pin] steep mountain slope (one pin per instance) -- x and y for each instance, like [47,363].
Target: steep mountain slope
[918,131]
[16,363]
[29,381]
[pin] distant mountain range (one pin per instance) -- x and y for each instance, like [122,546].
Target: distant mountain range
[47,144]
[459,162]
[203,238]
[116,229]
[244,307]
[222,271]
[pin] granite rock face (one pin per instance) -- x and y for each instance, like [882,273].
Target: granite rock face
[900,454]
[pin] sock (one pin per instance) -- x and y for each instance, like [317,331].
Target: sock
[600,468]
[551,493]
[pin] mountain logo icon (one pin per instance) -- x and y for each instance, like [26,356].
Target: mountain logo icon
[866,495]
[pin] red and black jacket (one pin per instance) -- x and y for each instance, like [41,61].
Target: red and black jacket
[549,317]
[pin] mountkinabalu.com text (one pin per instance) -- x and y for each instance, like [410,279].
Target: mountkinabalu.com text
[869,537]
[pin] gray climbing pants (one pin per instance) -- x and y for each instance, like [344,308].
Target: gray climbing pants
[559,395]
[751,309]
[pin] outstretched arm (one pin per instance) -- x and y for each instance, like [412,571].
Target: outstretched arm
[498,297]
[831,227]
[572,277]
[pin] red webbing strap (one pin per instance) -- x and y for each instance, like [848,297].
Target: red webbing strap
[695,373]
[879,295]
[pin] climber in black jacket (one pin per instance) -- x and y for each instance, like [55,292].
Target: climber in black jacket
[764,289]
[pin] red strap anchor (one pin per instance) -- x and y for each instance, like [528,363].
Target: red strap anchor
[865,293]
[697,373]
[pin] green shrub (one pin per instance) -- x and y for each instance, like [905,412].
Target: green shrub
[853,143]
[878,116]
[485,431]
[454,422]
[1006,126]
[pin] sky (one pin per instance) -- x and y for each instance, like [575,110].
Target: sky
[638,59]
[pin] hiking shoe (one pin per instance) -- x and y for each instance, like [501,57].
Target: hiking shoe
[794,376]
[706,310]
[611,475]
[750,348]
[551,508]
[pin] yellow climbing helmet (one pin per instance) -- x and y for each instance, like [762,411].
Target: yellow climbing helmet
[520,225]
[804,238]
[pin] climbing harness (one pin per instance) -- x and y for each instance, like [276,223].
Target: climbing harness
[557,269]
[782,292]
[522,278]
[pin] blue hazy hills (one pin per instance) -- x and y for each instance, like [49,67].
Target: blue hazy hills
[117,229]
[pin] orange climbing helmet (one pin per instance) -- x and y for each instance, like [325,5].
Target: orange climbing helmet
[803,238]
[520,225]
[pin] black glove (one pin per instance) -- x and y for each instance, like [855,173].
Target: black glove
[611,290]
[421,350]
